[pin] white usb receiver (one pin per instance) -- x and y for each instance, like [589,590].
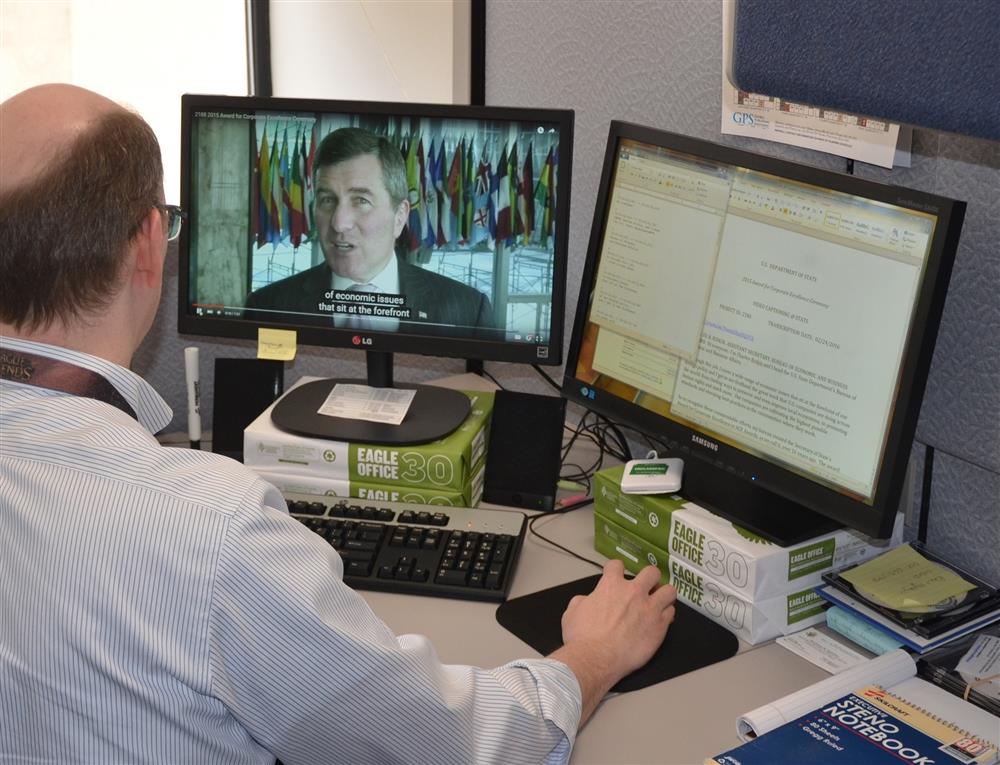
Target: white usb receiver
[653,476]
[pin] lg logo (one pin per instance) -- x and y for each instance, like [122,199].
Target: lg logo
[359,340]
[743,118]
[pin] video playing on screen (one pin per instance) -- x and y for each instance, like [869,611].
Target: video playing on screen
[382,223]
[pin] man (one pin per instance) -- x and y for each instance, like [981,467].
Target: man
[158,604]
[360,207]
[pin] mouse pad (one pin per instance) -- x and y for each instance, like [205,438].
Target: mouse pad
[693,640]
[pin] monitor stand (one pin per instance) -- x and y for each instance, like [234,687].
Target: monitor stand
[433,414]
[752,507]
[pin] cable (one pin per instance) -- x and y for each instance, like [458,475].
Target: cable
[574,506]
[546,377]
[494,380]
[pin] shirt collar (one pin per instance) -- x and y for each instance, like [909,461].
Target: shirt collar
[152,411]
[387,280]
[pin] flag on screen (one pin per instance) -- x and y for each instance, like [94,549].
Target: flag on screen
[514,191]
[527,194]
[481,227]
[444,212]
[310,188]
[430,199]
[543,201]
[276,231]
[284,179]
[296,195]
[413,195]
[259,210]
[456,193]
[468,190]
[503,230]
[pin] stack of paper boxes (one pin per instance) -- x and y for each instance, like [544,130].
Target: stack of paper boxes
[448,471]
[751,586]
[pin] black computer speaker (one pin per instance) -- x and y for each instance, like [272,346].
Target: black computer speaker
[524,454]
[243,388]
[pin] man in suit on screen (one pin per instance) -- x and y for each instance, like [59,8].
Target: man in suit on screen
[360,207]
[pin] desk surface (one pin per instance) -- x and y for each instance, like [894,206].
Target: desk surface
[676,722]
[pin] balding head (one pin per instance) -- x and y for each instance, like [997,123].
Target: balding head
[78,176]
[43,122]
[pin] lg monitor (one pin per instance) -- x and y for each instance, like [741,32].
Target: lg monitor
[438,230]
[769,322]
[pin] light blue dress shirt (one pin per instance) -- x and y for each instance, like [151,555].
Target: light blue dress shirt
[159,605]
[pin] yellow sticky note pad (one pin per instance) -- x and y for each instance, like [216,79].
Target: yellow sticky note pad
[277,344]
[905,580]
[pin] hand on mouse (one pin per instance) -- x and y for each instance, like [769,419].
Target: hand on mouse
[615,629]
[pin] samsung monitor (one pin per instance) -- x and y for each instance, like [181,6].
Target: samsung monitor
[769,322]
[438,230]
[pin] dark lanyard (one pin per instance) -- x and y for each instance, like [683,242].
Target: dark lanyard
[43,372]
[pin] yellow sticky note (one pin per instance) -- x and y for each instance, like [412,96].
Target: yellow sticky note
[905,580]
[277,344]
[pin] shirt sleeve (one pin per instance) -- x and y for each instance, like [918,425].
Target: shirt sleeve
[307,668]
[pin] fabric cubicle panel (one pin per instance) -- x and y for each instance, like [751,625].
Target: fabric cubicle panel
[925,63]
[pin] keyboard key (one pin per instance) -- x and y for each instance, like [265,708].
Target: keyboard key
[358,568]
[358,544]
[364,555]
[451,576]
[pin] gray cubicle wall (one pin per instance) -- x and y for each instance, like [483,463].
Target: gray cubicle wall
[659,63]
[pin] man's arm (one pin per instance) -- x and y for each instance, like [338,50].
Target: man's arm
[290,642]
[614,630]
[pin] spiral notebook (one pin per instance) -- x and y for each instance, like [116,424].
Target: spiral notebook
[870,726]
[841,719]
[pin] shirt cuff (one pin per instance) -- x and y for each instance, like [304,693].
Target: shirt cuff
[559,697]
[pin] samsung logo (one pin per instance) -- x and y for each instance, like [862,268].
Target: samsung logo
[705,442]
[917,205]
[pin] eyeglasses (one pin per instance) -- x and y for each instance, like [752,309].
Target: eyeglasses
[175,217]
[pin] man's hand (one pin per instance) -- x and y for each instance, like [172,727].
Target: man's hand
[614,630]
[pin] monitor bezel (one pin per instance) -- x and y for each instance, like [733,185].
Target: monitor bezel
[733,470]
[411,342]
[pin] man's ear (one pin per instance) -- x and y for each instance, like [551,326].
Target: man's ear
[149,249]
[402,215]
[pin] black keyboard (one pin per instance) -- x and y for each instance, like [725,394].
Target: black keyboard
[451,552]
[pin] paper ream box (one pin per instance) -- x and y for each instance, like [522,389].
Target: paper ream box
[636,553]
[756,568]
[740,559]
[294,483]
[645,515]
[751,620]
[445,464]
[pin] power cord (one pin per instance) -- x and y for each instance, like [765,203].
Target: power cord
[574,506]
